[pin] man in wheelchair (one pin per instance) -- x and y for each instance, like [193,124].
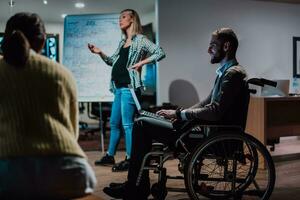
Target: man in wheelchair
[227,104]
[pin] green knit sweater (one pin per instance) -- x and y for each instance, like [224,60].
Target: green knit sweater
[38,109]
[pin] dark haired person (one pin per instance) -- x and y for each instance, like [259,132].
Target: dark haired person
[134,51]
[39,154]
[226,104]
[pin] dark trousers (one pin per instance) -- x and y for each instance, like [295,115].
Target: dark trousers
[145,130]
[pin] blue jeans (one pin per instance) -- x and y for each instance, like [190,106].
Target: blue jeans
[122,116]
[45,177]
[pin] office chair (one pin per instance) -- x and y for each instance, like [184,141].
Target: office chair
[94,113]
[82,125]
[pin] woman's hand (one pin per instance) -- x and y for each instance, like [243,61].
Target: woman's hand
[94,49]
[169,114]
[138,67]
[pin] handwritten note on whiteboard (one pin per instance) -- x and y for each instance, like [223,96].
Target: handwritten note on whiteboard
[91,73]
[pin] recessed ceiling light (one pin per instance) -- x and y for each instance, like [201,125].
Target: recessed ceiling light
[79,5]
[11,3]
[63,15]
[45,2]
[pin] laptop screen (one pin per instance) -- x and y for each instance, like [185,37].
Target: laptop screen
[282,89]
[136,101]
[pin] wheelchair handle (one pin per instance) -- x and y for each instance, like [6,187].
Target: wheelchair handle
[261,82]
[269,82]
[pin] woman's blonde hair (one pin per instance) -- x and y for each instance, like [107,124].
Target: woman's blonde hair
[137,26]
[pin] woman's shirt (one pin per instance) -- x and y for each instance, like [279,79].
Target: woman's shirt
[140,48]
[120,74]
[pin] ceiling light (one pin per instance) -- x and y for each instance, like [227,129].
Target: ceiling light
[11,3]
[45,2]
[63,15]
[79,5]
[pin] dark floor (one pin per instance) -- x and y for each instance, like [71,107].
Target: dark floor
[287,183]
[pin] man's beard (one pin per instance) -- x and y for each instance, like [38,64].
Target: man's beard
[218,58]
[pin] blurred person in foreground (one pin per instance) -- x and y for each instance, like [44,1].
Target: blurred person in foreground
[39,154]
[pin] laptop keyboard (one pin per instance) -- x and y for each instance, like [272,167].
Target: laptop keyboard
[153,115]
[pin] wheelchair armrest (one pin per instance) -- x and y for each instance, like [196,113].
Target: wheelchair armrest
[157,145]
[188,126]
[182,126]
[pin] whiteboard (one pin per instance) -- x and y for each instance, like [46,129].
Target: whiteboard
[91,73]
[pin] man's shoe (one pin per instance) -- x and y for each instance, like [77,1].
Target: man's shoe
[105,160]
[124,191]
[121,166]
[113,184]
[116,191]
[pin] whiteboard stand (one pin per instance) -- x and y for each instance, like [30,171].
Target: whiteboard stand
[101,128]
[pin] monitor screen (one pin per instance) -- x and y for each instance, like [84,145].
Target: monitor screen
[149,71]
[1,38]
[51,48]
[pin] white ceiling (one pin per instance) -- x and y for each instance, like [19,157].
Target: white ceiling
[55,8]
[283,1]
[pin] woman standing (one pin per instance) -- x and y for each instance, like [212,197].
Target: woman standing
[39,154]
[134,51]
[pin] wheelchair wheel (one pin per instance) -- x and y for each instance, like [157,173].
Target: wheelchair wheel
[230,166]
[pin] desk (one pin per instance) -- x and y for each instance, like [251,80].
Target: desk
[272,117]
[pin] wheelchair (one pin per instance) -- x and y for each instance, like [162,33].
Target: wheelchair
[228,164]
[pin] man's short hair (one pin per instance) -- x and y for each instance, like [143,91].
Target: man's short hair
[227,35]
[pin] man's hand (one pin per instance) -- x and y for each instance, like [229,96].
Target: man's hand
[169,114]
[94,49]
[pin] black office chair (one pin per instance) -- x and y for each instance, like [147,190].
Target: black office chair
[94,113]
[82,125]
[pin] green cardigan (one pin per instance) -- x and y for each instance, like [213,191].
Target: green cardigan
[38,109]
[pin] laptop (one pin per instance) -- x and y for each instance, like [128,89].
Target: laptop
[281,90]
[155,118]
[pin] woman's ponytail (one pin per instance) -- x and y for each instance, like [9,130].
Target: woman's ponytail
[16,49]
